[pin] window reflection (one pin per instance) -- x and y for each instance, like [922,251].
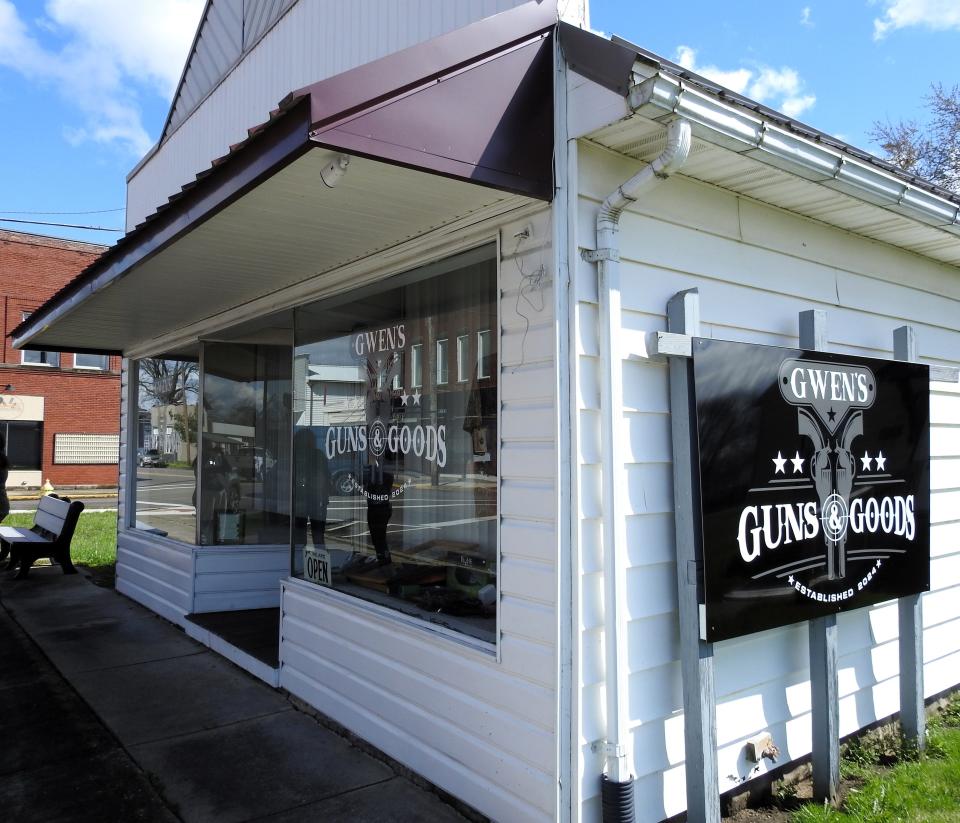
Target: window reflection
[395,470]
[165,493]
[245,444]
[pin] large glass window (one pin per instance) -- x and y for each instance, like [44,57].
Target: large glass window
[395,487]
[245,444]
[166,436]
[24,441]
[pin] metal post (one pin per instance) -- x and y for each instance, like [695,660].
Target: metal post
[696,655]
[912,716]
[824,700]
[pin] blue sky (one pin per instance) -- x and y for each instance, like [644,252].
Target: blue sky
[85,85]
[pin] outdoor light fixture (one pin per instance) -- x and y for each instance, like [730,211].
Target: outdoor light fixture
[333,172]
[8,387]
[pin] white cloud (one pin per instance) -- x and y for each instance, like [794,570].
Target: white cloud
[736,80]
[108,53]
[782,89]
[805,20]
[931,14]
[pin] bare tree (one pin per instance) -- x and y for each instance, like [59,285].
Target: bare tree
[930,150]
[168,382]
[165,384]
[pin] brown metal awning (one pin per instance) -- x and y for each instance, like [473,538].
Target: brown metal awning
[436,133]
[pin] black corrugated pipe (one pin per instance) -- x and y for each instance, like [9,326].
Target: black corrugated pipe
[617,800]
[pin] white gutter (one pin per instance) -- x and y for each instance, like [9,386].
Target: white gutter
[663,97]
[607,256]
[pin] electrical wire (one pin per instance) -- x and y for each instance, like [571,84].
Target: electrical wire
[60,225]
[94,211]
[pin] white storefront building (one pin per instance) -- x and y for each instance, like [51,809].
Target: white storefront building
[409,372]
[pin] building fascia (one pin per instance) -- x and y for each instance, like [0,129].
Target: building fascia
[358,92]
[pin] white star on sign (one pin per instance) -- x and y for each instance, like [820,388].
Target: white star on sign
[779,461]
[416,397]
[797,461]
[404,397]
[790,579]
[881,462]
[866,460]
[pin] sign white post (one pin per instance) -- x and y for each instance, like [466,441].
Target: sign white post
[824,700]
[912,716]
[696,655]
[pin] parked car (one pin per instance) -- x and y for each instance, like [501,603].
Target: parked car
[150,457]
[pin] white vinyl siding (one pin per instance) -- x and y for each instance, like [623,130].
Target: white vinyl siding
[480,727]
[756,267]
[156,572]
[128,450]
[228,578]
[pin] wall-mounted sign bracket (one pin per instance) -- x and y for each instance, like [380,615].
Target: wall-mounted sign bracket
[669,344]
[739,393]
[696,655]
[913,718]
[822,633]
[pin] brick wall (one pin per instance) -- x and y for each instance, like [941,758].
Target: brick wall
[77,401]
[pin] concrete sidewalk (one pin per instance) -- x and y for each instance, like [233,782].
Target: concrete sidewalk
[111,713]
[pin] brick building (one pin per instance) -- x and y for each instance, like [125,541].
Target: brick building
[59,411]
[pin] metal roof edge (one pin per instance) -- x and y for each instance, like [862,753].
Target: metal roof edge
[297,114]
[183,76]
[269,147]
[340,96]
[603,61]
[692,80]
[716,120]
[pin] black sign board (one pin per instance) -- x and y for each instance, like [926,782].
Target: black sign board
[814,483]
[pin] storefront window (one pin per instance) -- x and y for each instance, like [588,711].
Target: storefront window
[24,444]
[245,444]
[395,480]
[166,437]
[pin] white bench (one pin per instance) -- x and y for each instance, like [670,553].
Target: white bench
[49,536]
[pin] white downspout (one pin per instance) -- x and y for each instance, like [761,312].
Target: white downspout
[607,256]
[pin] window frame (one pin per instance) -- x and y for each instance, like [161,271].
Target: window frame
[105,359]
[42,353]
[463,357]
[441,362]
[492,647]
[482,353]
[39,428]
[416,365]
[129,455]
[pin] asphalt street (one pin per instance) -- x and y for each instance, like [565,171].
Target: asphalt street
[168,493]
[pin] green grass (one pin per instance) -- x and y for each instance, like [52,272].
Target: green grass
[94,542]
[912,790]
